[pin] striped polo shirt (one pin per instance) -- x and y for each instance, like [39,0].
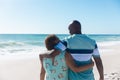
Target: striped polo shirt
[81,47]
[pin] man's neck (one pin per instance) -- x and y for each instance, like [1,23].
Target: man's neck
[78,33]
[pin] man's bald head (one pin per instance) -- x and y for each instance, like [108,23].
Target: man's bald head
[75,27]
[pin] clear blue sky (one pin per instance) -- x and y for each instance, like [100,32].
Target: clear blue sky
[53,16]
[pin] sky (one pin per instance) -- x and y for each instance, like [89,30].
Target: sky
[54,16]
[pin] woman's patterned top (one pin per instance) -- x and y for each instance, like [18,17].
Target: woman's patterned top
[57,70]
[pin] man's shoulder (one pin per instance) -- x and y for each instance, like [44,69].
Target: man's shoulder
[84,36]
[89,38]
[81,37]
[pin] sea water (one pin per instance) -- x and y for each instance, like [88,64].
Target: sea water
[34,43]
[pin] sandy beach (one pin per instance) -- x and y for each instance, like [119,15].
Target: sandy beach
[19,67]
[27,66]
[110,55]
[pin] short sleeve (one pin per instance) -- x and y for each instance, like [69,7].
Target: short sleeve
[64,42]
[60,46]
[96,52]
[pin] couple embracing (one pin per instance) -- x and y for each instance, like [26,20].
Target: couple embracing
[71,58]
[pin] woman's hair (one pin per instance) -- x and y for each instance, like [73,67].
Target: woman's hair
[50,41]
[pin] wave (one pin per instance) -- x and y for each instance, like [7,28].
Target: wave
[10,47]
[20,50]
[109,43]
[11,43]
[109,47]
[18,44]
[16,47]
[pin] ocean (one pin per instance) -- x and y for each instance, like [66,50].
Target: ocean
[34,43]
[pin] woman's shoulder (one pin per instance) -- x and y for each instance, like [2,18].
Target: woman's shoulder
[44,55]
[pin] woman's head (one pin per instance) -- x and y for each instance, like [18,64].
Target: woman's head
[51,41]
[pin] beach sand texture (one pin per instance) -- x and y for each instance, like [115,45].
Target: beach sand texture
[27,66]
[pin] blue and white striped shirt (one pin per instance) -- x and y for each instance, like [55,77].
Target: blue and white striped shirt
[81,47]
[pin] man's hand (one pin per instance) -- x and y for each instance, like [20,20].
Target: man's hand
[101,78]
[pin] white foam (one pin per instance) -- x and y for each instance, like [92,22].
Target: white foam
[19,50]
[109,43]
[109,47]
